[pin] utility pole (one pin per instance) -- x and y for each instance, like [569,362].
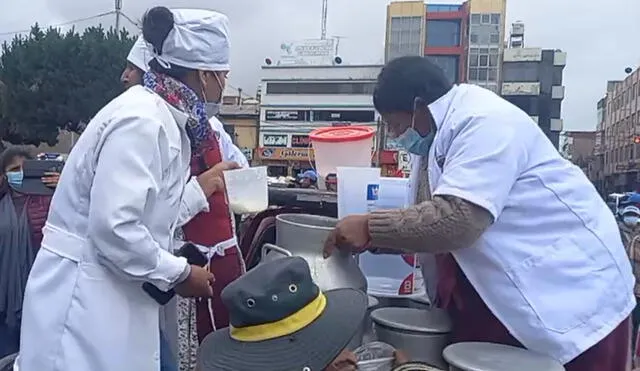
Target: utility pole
[118,11]
[323,33]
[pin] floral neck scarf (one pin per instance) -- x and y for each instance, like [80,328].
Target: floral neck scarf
[184,99]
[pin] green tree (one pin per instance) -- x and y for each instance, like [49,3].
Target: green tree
[54,80]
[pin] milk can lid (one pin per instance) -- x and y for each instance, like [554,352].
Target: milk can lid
[413,319]
[475,356]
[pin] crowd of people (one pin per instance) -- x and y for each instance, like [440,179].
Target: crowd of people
[527,253]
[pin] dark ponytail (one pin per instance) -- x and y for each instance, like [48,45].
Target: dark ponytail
[157,23]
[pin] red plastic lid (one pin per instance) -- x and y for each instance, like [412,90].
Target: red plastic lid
[342,134]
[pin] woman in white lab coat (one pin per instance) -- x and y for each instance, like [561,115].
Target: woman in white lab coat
[113,215]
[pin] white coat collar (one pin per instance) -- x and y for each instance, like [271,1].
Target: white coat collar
[180,117]
[441,107]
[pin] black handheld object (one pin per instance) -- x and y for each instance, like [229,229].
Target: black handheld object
[38,168]
[193,256]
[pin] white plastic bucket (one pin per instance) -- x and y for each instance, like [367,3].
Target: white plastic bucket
[341,146]
[247,189]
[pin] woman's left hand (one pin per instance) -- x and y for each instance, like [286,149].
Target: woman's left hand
[50,179]
[350,234]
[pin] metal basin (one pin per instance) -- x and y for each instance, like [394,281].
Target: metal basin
[421,334]
[476,356]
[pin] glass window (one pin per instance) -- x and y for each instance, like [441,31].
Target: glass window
[473,73]
[473,38]
[405,37]
[521,72]
[482,74]
[360,88]
[495,18]
[493,60]
[494,39]
[475,18]
[483,51]
[449,64]
[484,60]
[443,33]
[486,18]
[474,60]
[493,74]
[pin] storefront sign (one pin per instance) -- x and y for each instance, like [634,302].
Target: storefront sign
[286,154]
[286,115]
[300,141]
[308,52]
[271,140]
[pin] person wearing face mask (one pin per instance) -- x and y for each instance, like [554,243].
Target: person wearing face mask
[89,302]
[194,202]
[526,252]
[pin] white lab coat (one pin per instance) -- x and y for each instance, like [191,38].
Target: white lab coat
[111,223]
[551,267]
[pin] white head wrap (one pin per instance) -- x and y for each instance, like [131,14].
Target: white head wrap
[199,40]
[140,54]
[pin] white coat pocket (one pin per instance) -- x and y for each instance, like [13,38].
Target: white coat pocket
[541,280]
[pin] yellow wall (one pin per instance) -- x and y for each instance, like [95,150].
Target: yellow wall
[488,6]
[404,9]
[245,130]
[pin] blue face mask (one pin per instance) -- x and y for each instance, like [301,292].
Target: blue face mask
[15,177]
[414,143]
[631,220]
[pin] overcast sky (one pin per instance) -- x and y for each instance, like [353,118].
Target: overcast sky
[600,37]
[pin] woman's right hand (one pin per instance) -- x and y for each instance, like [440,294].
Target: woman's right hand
[197,285]
[211,181]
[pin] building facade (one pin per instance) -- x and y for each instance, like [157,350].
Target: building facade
[620,134]
[465,40]
[298,99]
[579,147]
[241,121]
[532,80]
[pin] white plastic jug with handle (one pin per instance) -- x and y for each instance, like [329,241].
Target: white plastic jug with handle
[247,189]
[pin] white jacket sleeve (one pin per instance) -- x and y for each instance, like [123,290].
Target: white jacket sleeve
[128,174]
[230,152]
[193,202]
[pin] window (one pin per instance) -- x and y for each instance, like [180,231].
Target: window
[473,38]
[493,60]
[474,58]
[405,37]
[521,72]
[482,74]
[486,18]
[493,74]
[449,64]
[473,73]
[475,18]
[495,18]
[361,88]
[557,76]
[443,33]
[484,60]
[344,116]
[494,38]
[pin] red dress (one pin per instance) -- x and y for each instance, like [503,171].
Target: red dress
[473,321]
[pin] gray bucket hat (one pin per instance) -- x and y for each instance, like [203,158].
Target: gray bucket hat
[281,321]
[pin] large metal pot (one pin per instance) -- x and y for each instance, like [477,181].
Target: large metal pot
[422,334]
[474,356]
[304,235]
